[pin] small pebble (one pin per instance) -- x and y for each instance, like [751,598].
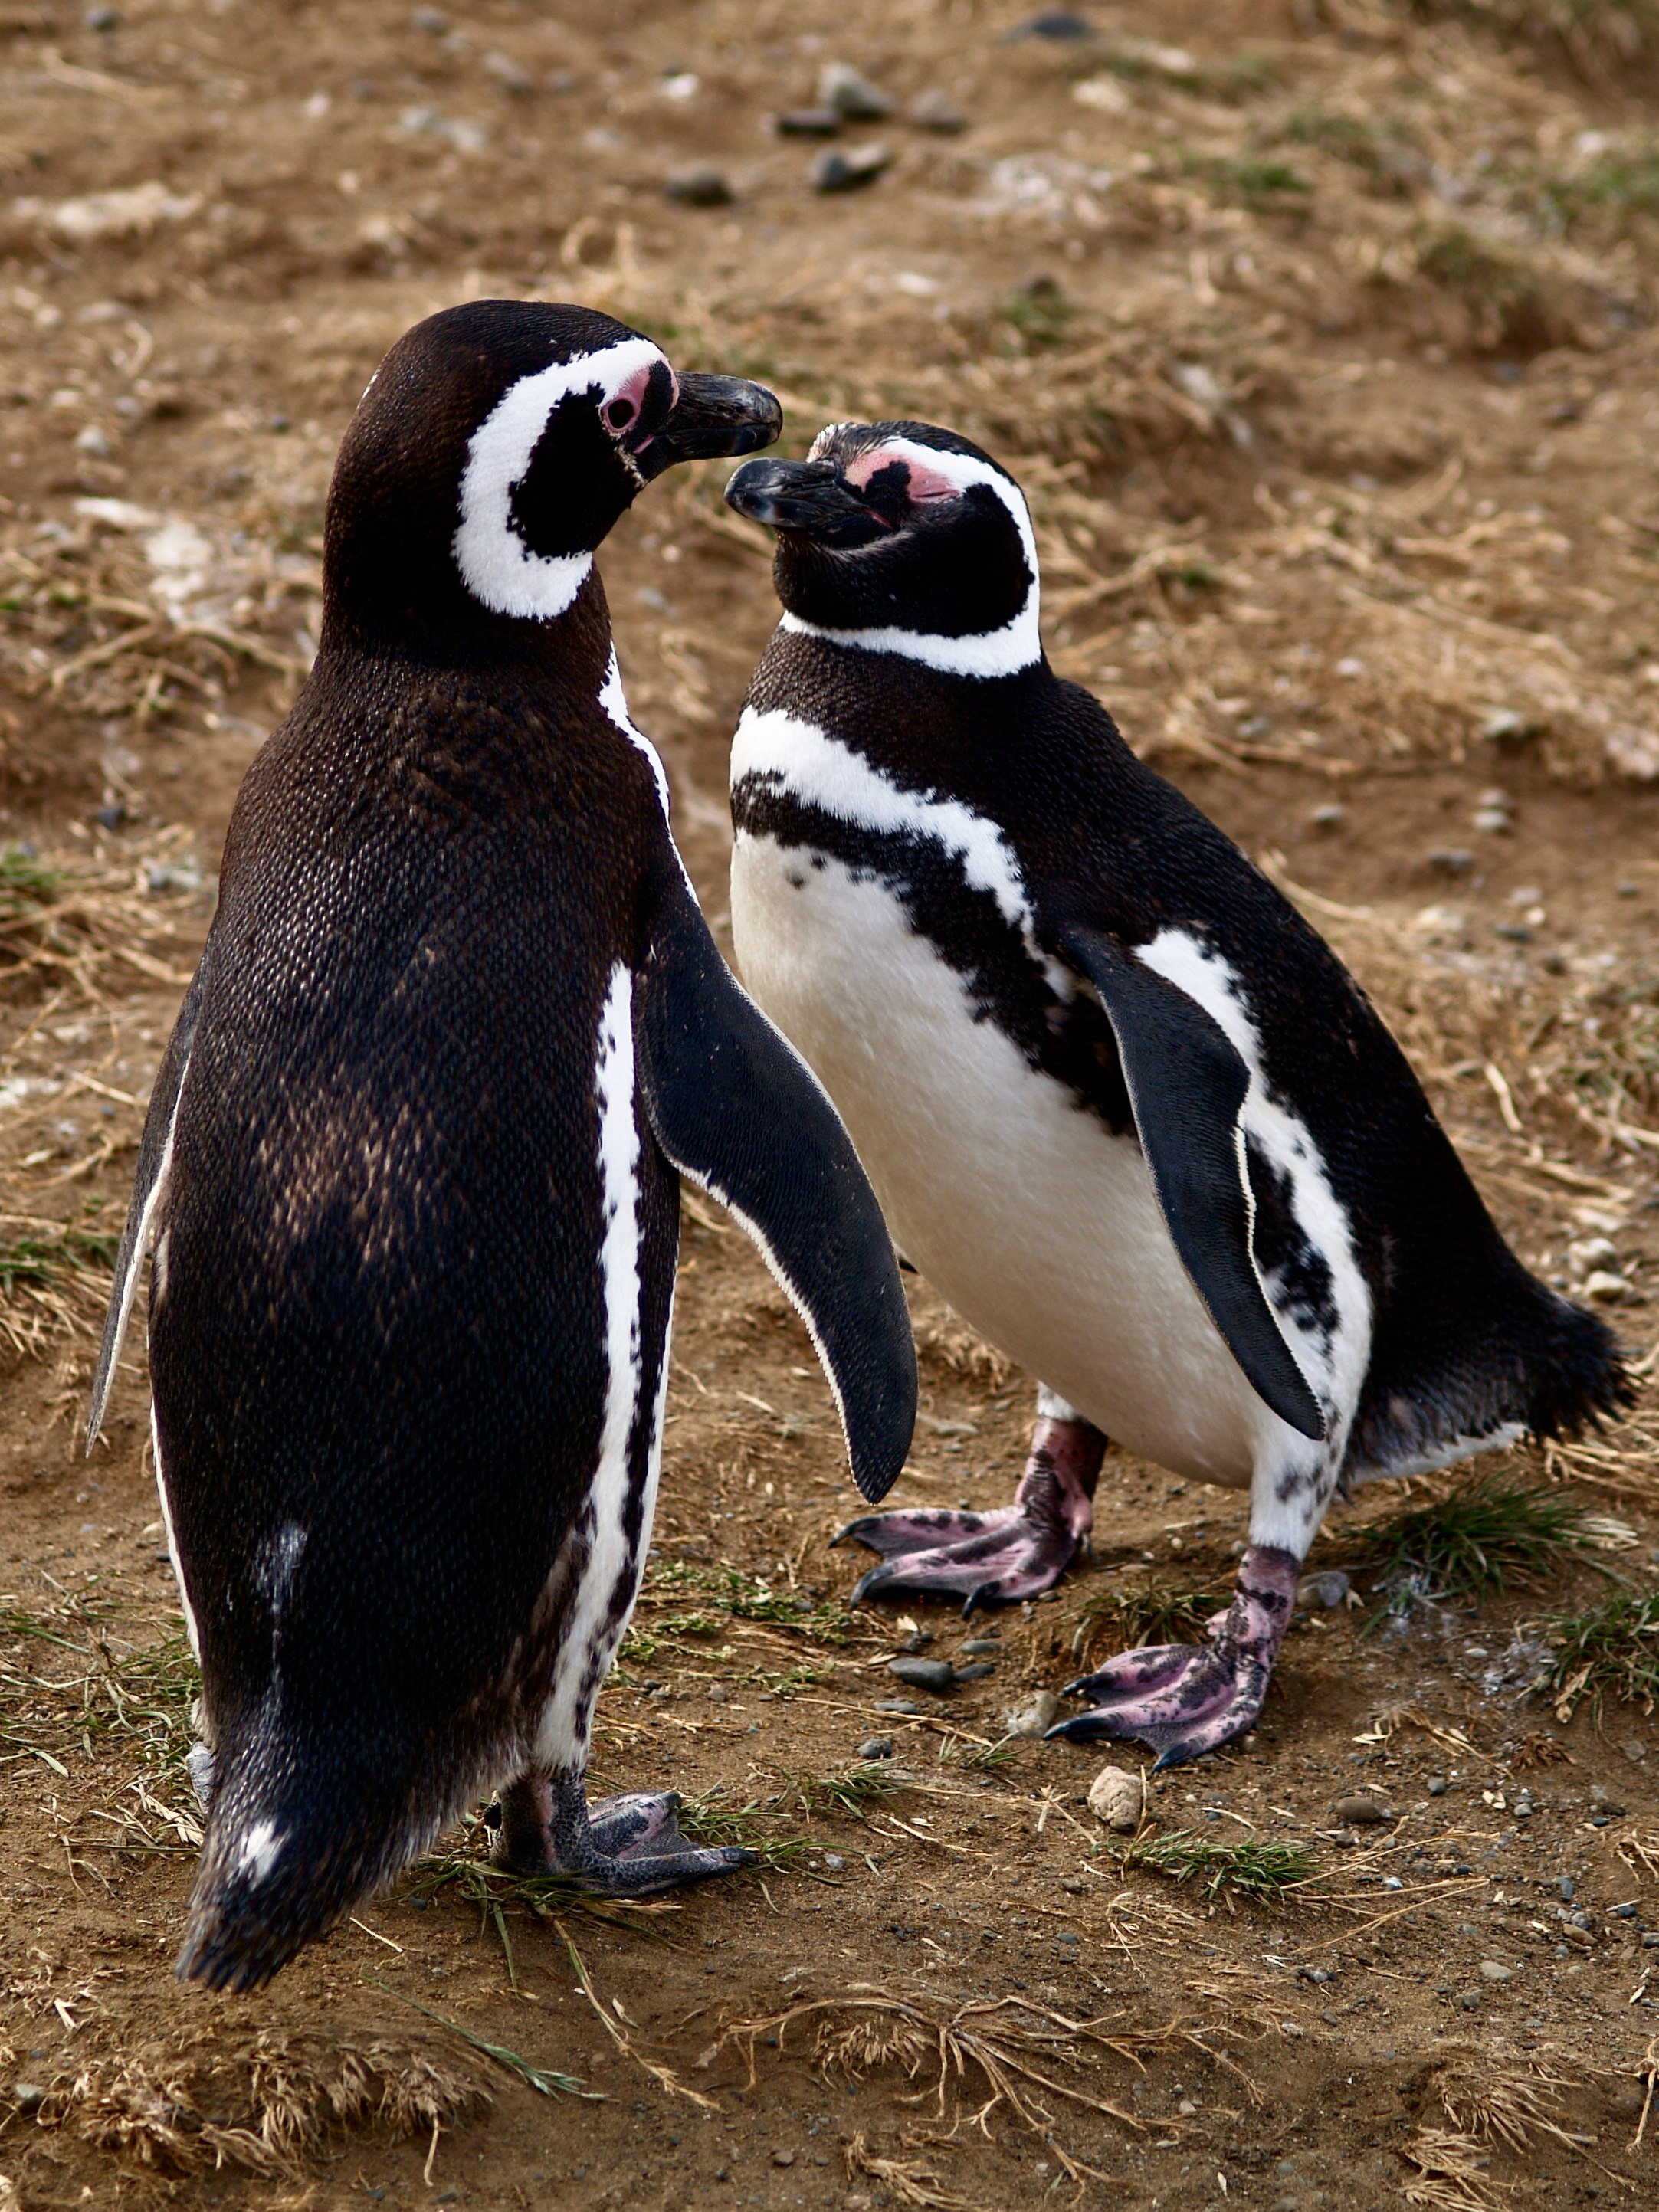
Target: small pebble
[876,1746]
[1603,1288]
[1566,1887]
[1331,816]
[1357,1812]
[833,1863]
[700,185]
[783,2158]
[1115,1796]
[975,1670]
[809,122]
[840,87]
[937,111]
[835,172]
[1470,2000]
[1651,1940]
[1504,727]
[934,1675]
[1492,820]
[1320,1975]
[1450,859]
[1621,1912]
[1034,1717]
[893,1705]
[917,1642]
[1326,1589]
[1494,1970]
[982,1647]
[1058,23]
[1587,1252]
[717,1693]
[1437,1785]
[27,2096]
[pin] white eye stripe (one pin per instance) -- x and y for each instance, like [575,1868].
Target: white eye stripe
[496,566]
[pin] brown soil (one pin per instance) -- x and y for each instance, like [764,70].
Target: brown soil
[1321,335]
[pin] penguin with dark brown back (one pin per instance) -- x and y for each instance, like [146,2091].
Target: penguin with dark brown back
[411,1170]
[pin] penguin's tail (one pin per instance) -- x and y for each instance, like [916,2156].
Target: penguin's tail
[293,1841]
[1503,1358]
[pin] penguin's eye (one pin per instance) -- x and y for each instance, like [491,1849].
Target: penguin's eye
[621,412]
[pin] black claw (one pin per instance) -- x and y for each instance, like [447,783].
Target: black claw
[982,1594]
[1082,1727]
[1075,1689]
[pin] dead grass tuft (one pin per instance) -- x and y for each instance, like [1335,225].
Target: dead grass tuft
[1505,2104]
[1451,2173]
[951,1344]
[263,2108]
[912,2180]
[1022,2054]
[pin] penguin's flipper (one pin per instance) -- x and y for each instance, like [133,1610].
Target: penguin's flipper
[1186,1083]
[740,1114]
[148,1184]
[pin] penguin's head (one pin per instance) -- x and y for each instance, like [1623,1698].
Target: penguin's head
[905,538]
[494,448]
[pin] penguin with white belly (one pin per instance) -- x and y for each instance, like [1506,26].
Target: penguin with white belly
[411,1167]
[1121,1105]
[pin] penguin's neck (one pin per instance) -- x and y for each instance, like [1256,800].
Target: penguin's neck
[570,652]
[921,723]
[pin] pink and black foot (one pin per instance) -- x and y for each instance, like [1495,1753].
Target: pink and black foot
[1183,1699]
[992,1558]
[623,1846]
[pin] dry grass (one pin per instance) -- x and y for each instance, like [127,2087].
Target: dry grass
[1151,1612]
[1451,2172]
[912,2180]
[1506,2103]
[265,2107]
[1022,2054]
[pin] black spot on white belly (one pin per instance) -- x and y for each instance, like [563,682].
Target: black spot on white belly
[1069,1040]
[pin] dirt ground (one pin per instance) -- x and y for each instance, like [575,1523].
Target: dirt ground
[1322,336]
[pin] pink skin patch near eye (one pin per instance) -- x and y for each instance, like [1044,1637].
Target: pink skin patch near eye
[922,486]
[622,410]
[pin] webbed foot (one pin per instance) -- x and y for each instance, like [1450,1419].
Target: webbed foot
[1183,1699]
[992,1558]
[625,1846]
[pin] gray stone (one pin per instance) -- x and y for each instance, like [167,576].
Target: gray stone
[1328,1589]
[1034,1717]
[1360,1812]
[937,111]
[700,185]
[837,172]
[27,2096]
[1470,2000]
[1494,1970]
[1437,1785]
[810,123]
[932,1675]
[876,1746]
[841,87]
[833,1863]
[975,1670]
[982,1647]
[897,1706]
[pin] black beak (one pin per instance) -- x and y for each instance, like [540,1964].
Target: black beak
[714,415]
[810,497]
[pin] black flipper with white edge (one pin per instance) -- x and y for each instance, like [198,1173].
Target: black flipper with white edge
[740,1114]
[154,1152]
[1187,1084]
